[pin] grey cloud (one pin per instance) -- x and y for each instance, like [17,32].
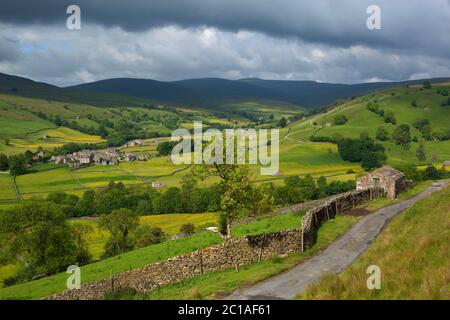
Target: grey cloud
[411,24]
[173,53]
[9,49]
[174,39]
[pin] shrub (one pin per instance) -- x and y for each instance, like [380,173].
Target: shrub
[340,120]
[187,229]
[146,235]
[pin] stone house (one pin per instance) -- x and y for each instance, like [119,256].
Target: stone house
[391,180]
[129,157]
[84,157]
[38,156]
[135,143]
[109,157]
[60,159]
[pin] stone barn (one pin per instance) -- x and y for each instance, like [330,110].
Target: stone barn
[392,180]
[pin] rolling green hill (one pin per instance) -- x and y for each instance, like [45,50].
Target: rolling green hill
[407,104]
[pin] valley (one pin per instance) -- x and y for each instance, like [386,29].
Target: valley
[309,148]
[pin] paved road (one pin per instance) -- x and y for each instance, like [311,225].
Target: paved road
[334,259]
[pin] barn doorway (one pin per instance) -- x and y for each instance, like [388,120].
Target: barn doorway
[376,182]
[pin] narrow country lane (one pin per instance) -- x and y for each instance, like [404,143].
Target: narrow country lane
[335,258]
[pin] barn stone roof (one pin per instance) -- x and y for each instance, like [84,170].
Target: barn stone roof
[389,172]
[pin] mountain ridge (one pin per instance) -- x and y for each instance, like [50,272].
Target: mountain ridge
[211,92]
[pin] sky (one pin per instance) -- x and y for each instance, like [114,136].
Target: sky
[321,40]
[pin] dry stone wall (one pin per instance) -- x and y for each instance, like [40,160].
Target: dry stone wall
[232,253]
[340,203]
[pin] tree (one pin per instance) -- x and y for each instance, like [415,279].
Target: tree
[120,223]
[146,235]
[237,197]
[382,134]
[420,152]
[144,207]
[80,233]
[372,160]
[58,121]
[102,132]
[3,162]
[6,142]
[17,165]
[431,173]
[86,205]
[389,117]
[165,148]
[187,229]
[364,150]
[37,237]
[28,157]
[340,119]
[283,122]
[427,85]
[402,136]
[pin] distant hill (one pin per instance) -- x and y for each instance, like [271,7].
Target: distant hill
[13,84]
[210,93]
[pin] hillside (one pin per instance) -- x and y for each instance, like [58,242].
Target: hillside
[211,93]
[27,123]
[413,254]
[406,103]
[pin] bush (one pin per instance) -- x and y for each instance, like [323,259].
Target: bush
[187,229]
[340,120]
[431,173]
[146,235]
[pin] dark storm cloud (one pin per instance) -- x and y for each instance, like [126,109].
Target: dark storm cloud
[324,40]
[406,24]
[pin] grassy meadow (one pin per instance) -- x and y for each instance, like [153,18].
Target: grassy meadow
[169,223]
[399,101]
[143,256]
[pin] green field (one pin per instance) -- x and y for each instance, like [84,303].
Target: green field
[169,223]
[136,258]
[298,156]
[398,101]
[413,253]
[6,190]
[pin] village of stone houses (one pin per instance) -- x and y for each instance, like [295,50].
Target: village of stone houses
[94,206]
